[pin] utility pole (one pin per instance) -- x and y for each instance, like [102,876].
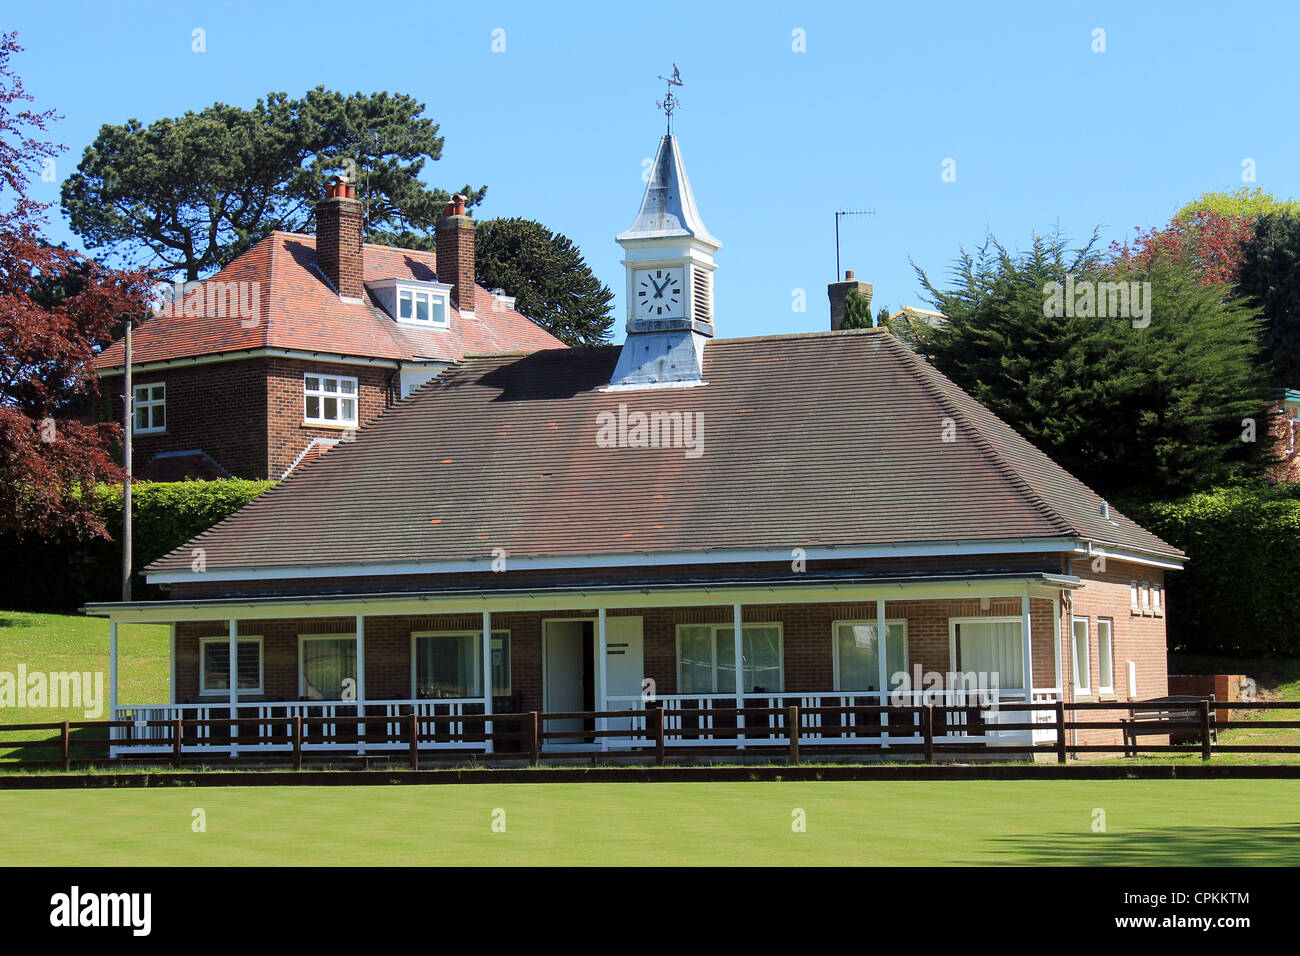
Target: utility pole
[128,427]
[845,212]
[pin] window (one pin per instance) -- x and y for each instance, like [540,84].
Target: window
[1082,666]
[449,664]
[150,407]
[421,306]
[1105,656]
[1155,600]
[330,400]
[1146,598]
[1133,604]
[986,647]
[324,662]
[214,665]
[857,664]
[706,658]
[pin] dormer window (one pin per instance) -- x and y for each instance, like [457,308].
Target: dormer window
[423,307]
[418,302]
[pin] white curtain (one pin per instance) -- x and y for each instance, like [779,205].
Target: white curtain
[992,647]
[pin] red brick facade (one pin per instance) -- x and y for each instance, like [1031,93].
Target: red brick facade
[807,641]
[247,415]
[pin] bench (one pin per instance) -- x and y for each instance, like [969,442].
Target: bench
[1156,721]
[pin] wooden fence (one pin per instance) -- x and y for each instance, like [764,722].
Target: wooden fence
[919,730]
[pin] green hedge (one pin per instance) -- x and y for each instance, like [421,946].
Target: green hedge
[61,574]
[1240,592]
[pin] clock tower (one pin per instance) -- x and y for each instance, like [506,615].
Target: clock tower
[668,255]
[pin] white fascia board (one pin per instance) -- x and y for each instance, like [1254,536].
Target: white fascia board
[1089,549]
[255,353]
[567,600]
[623,560]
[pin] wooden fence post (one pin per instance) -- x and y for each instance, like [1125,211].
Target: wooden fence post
[177,727]
[67,746]
[1060,732]
[297,741]
[534,744]
[659,738]
[792,730]
[1205,730]
[927,723]
[415,741]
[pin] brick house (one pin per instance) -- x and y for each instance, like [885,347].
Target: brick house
[300,342]
[681,522]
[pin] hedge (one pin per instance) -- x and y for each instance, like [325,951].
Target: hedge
[60,574]
[1240,592]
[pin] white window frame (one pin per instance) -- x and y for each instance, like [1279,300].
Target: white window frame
[1106,682]
[225,642]
[477,635]
[1086,687]
[322,394]
[1146,598]
[1156,608]
[151,404]
[303,639]
[1134,600]
[835,648]
[953,622]
[729,628]
[433,296]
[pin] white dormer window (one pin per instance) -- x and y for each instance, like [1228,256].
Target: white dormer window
[422,306]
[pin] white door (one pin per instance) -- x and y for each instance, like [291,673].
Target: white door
[624,668]
[564,674]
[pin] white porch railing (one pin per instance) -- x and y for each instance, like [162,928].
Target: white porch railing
[817,727]
[447,735]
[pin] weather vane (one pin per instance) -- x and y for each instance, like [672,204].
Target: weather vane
[670,103]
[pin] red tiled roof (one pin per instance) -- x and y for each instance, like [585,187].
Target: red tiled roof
[298,310]
[829,439]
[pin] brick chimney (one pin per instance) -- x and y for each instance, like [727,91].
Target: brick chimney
[839,292]
[454,235]
[338,238]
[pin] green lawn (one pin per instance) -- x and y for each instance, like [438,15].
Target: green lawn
[72,642]
[1183,822]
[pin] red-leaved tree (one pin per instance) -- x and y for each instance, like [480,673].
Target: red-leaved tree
[56,309]
[1208,243]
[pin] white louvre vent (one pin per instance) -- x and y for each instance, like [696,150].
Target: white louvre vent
[702,282]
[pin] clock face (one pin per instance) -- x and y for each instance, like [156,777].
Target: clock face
[659,294]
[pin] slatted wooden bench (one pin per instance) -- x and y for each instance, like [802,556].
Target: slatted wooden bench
[1157,721]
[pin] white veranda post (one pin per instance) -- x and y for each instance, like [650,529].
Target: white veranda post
[740,674]
[1029,717]
[487,679]
[883,665]
[112,674]
[233,682]
[603,670]
[361,681]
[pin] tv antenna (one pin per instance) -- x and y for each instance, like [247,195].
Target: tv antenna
[845,212]
[670,103]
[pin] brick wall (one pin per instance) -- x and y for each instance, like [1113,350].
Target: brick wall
[1138,637]
[287,436]
[218,408]
[247,415]
[806,633]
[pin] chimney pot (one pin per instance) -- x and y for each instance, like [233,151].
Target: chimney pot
[848,275]
[454,236]
[338,238]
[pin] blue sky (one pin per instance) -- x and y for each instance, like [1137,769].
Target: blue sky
[1043,130]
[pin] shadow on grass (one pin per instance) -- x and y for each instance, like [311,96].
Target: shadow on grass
[85,743]
[1168,846]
